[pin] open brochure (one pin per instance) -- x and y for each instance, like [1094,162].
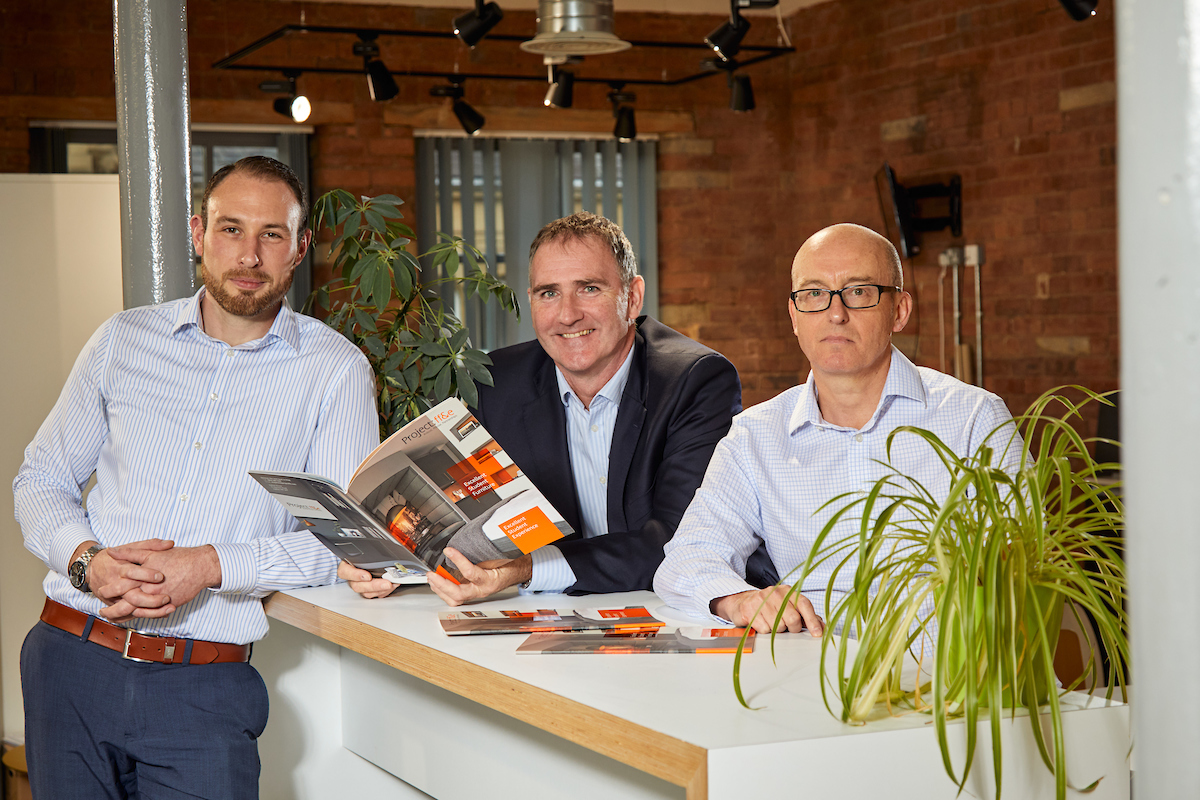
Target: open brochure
[664,640]
[632,619]
[440,480]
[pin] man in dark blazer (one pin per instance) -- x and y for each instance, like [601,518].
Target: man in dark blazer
[612,415]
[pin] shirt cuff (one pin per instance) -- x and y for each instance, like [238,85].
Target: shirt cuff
[239,572]
[551,572]
[718,587]
[65,543]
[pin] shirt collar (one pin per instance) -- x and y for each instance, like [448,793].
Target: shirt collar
[903,380]
[285,327]
[611,391]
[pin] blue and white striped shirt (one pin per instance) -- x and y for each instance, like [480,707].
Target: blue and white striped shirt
[781,462]
[170,420]
[589,441]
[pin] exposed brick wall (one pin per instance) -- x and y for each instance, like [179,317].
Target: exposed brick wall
[1011,94]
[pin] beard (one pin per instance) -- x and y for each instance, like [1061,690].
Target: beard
[245,304]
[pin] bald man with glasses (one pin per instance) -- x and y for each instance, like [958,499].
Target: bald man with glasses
[784,459]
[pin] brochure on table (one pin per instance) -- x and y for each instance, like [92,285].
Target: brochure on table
[470,622]
[665,640]
[440,476]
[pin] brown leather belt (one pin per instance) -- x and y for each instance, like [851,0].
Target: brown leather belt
[141,646]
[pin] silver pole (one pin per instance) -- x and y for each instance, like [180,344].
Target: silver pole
[150,44]
[1158,179]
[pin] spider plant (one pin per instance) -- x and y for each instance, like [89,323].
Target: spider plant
[382,299]
[975,582]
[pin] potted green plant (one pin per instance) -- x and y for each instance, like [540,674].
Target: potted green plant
[381,299]
[976,583]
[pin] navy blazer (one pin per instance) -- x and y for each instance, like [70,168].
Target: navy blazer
[678,403]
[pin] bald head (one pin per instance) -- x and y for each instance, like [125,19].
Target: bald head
[850,238]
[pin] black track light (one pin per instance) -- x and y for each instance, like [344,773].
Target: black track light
[379,80]
[626,128]
[298,108]
[562,89]
[1079,9]
[741,93]
[726,40]
[294,105]
[470,119]
[474,25]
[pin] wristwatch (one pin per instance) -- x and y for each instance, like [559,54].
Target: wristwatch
[77,572]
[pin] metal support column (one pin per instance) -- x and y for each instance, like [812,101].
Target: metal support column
[154,145]
[1158,80]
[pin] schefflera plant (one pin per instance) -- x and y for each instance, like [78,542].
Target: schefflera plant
[972,587]
[381,299]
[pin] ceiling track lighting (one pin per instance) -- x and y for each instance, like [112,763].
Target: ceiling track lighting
[294,105]
[472,26]
[379,80]
[626,128]
[1079,9]
[562,88]
[470,119]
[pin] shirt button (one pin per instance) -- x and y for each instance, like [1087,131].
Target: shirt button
[212,396]
[197,445]
[858,437]
[595,428]
[183,498]
[603,480]
[229,353]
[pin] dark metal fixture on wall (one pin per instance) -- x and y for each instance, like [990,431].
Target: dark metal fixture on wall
[472,26]
[1079,9]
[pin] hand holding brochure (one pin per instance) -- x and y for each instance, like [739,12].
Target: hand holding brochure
[439,481]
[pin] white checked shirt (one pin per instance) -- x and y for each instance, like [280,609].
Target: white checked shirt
[589,441]
[781,462]
[171,419]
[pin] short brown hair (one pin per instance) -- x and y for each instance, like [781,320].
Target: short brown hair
[264,168]
[585,224]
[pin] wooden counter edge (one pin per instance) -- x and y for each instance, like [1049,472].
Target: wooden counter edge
[675,761]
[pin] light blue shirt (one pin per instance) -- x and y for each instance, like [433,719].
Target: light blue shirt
[589,440]
[170,419]
[781,462]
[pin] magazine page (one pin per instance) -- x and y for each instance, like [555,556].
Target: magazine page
[443,476]
[632,619]
[665,640]
[440,480]
[339,522]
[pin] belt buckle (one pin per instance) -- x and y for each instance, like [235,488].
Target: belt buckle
[129,632]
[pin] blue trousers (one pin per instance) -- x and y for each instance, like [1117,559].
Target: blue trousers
[100,726]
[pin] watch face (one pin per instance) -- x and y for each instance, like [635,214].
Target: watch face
[77,573]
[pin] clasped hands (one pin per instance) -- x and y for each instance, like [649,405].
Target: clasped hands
[481,580]
[151,578]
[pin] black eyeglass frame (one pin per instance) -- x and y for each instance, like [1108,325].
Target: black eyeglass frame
[829,294]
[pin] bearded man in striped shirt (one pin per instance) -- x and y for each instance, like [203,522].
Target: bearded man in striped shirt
[169,406]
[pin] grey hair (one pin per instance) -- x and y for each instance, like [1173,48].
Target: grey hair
[586,224]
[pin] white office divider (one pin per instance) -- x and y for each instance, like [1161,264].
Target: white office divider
[60,267]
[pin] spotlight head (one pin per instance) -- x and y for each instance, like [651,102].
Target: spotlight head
[298,108]
[741,93]
[562,89]
[380,81]
[1079,9]
[626,128]
[474,25]
[726,40]
[470,119]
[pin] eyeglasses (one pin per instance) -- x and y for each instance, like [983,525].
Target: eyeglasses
[863,295]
